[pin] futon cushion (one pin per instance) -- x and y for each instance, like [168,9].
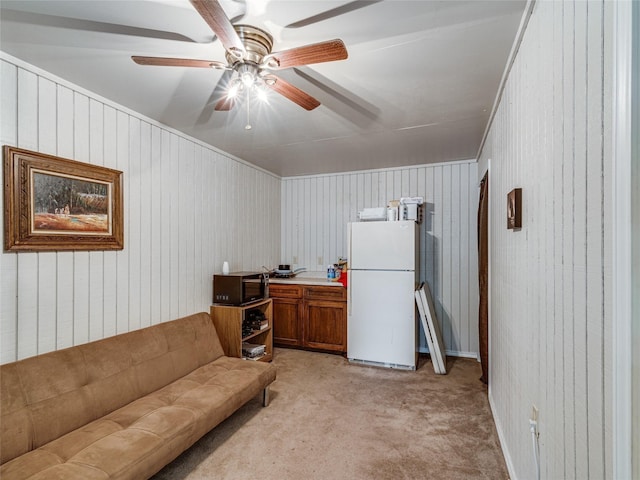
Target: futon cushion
[132,441]
[45,397]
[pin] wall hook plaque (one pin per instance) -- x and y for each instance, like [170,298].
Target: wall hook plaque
[514,209]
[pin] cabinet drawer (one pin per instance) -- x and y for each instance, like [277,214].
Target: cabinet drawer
[336,294]
[277,290]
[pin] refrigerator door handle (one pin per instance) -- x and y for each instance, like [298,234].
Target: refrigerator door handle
[350,300]
[349,290]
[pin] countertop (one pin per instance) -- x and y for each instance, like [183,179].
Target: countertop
[306,278]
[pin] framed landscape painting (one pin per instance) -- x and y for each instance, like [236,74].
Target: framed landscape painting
[56,204]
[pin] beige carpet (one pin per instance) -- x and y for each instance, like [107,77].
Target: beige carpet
[329,419]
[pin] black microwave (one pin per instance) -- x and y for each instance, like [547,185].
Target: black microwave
[239,288]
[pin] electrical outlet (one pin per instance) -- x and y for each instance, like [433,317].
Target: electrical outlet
[533,421]
[320,261]
[295,260]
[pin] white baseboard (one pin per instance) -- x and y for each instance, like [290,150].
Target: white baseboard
[503,443]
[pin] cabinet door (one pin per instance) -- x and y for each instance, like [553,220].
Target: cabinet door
[325,325]
[287,313]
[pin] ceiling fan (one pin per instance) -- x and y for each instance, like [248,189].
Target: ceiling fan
[250,63]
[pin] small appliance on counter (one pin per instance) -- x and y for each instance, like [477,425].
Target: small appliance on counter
[374,214]
[410,208]
[284,271]
[239,288]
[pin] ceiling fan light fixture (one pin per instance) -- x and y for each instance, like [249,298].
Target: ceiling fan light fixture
[247,73]
[247,79]
[233,90]
[261,93]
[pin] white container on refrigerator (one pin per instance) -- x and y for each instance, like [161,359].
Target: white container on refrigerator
[381,324]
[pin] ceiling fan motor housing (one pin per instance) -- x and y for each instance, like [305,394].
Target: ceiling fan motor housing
[257,44]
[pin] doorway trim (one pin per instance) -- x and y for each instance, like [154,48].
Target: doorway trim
[623,180]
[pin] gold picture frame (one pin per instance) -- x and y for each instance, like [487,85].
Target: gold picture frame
[56,204]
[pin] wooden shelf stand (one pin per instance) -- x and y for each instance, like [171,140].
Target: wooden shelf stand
[228,322]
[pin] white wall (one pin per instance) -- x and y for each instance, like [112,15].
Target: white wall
[316,210]
[183,218]
[550,282]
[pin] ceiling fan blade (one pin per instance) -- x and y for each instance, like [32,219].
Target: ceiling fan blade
[328,51]
[215,17]
[54,21]
[178,62]
[334,12]
[225,104]
[294,94]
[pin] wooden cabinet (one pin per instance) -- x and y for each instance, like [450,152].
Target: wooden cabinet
[287,330]
[287,312]
[228,322]
[325,318]
[324,326]
[313,317]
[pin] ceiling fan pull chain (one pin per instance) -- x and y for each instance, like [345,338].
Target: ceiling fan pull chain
[248,125]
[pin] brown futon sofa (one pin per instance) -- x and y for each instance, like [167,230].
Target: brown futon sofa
[122,407]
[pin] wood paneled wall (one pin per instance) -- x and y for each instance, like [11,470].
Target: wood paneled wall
[316,210]
[550,282]
[187,206]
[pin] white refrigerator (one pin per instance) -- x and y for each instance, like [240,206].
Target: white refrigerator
[381,321]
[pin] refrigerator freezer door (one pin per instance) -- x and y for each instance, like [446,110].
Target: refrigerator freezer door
[381,327]
[382,245]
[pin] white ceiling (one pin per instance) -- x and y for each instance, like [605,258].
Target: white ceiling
[418,86]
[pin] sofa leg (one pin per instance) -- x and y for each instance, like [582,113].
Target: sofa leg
[265,397]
